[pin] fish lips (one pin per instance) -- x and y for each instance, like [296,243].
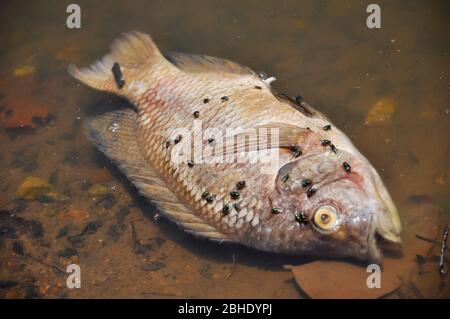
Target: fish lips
[381,240]
[385,226]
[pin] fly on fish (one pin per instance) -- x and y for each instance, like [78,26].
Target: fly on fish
[317,194]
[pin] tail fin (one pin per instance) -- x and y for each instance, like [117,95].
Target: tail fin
[133,51]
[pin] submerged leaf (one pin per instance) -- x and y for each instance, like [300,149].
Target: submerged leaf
[381,111]
[335,279]
[24,70]
[98,190]
[442,178]
[74,214]
[33,187]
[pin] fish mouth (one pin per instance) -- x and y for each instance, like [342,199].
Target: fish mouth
[385,226]
[382,239]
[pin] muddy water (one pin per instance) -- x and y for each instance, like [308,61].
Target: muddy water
[321,50]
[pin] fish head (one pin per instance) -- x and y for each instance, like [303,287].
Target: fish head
[342,211]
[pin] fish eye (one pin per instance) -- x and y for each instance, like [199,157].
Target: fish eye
[325,218]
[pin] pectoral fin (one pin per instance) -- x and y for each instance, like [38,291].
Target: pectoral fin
[262,137]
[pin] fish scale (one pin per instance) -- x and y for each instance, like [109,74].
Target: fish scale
[170,92]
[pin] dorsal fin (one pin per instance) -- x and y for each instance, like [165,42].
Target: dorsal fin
[114,134]
[197,63]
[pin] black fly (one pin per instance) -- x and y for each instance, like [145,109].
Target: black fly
[204,195]
[234,195]
[225,209]
[276,210]
[296,152]
[325,142]
[301,218]
[333,148]
[118,76]
[346,167]
[310,192]
[306,183]
[240,185]
[177,139]
[209,199]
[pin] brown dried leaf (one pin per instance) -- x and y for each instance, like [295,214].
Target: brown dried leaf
[381,111]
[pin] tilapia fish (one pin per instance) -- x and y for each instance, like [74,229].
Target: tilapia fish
[226,158]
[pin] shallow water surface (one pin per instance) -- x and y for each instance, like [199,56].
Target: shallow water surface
[89,214]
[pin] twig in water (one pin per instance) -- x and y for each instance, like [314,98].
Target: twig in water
[138,248]
[233,265]
[416,290]
[47,264]
[433,241]
[442,269]
[54,266]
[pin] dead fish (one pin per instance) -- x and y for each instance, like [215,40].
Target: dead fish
[347,212]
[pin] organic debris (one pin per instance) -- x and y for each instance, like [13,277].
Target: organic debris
[26,114]
[98,190]
[433,241]
[154,266]
[12,226]
[380,112]
[442,268]
[139,247]
[442,178]
[75,215]
[421,199]
[20,108]
[34,187]
[68,53]
[429,114]
[24,70]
